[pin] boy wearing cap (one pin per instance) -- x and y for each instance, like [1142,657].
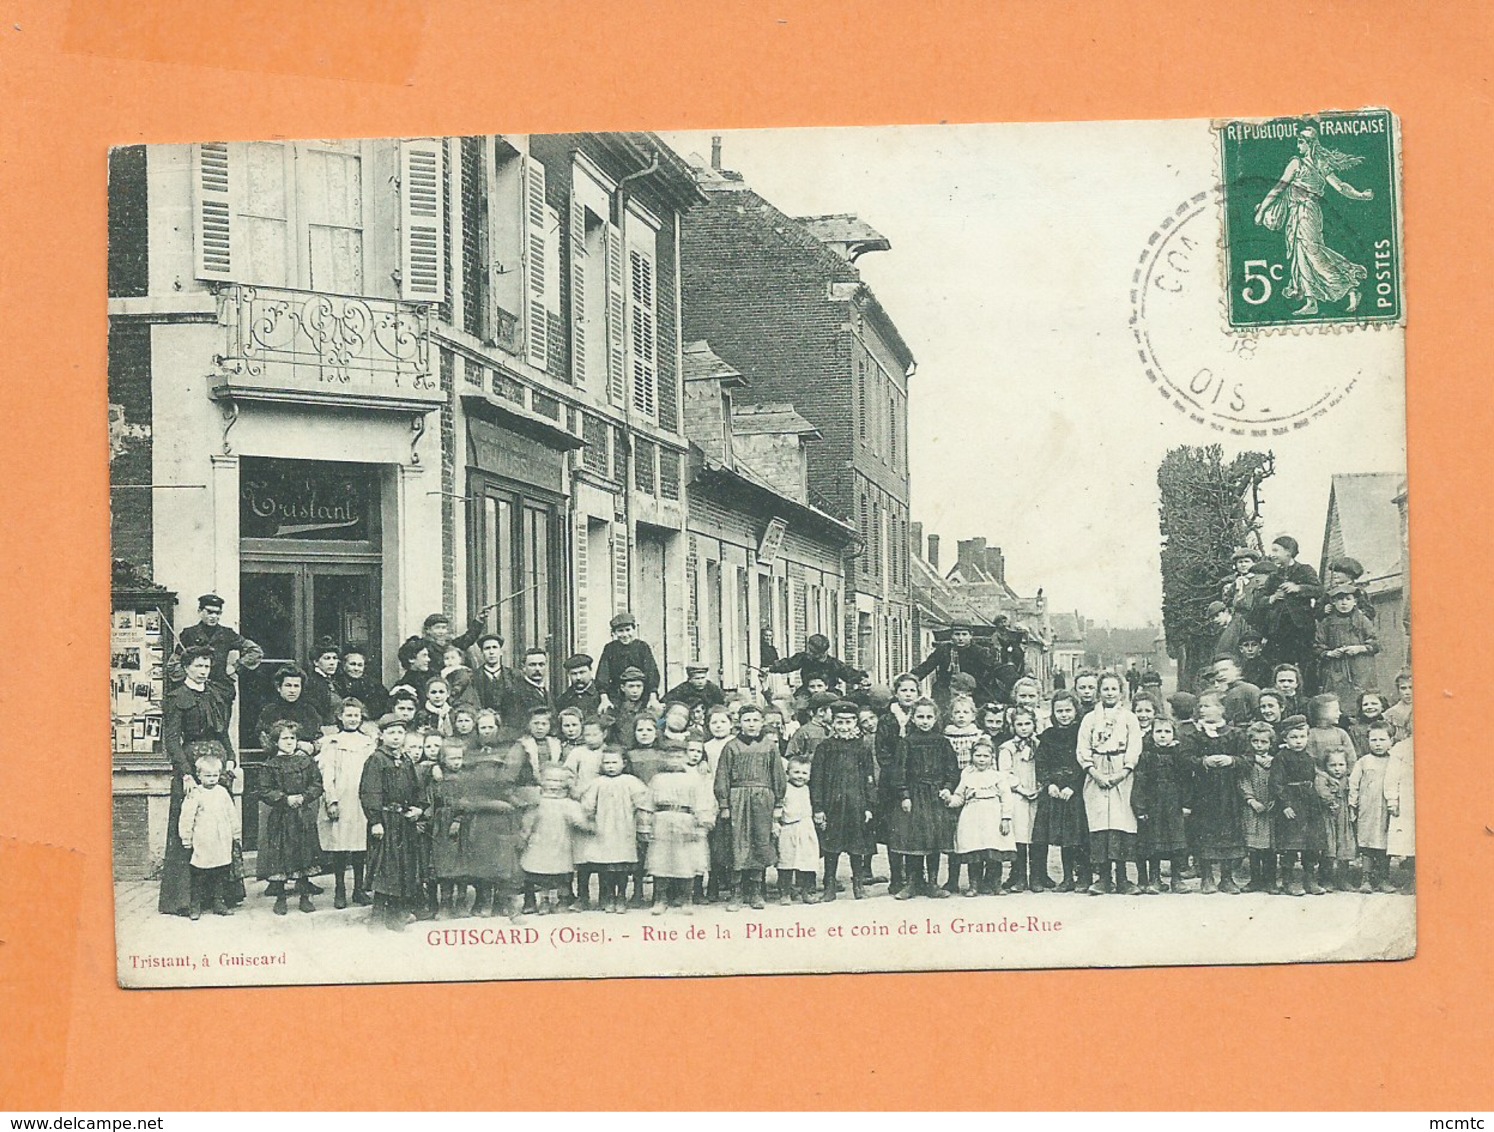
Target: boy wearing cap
[1346,646]
[816,662]
[581,691]
[1254,667]
[697,690]
[436,632]
[622,652]
[211,633]
[843,794]
[1242,594]
[631,703]
[816,728]
[958,655]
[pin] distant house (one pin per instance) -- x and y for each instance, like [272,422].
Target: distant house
[1068,645]
[937,603]
[1366,522]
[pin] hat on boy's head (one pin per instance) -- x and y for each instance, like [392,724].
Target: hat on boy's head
[822,700]
[622,621]
[631,672]
[843,708]
[388,721]
[697,667]
[434,619]
[1250,637]
[210,601]
[486,637]
[1293,722]
[1245,552]
[1287,543]
[960,627]
[1343,589]
[962,682]
[1346,565]
[1216,608]
[579,660]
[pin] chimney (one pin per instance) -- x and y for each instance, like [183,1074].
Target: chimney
[996,564]
[933,554]
[972,551]
[716,152]
[915,538]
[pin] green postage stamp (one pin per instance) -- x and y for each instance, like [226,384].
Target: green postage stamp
[1312,220]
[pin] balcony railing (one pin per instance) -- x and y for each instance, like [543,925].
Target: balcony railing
[286,344]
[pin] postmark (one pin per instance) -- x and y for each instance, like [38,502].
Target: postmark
[1312,224]
[1259,383]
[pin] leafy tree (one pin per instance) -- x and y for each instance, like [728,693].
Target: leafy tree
[1207,509]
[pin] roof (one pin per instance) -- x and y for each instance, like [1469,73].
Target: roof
[940,604]
[849,230]
[1369,521]
[741,483]
[776,418]
[704,364]
[1066,627]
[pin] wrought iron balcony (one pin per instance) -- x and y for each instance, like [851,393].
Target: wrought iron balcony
[320,348]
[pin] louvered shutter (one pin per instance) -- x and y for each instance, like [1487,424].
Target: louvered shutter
[642,343]
[619,567]
[536,234]
[213,177]
[616,328]
[578,291]
[422,269]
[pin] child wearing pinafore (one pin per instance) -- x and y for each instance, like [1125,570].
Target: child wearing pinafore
[1108,750]
[1340,847]
[1400,804]
[208,827]
[339,821]
[983,834]
[1260,808]
[612,804]
[681,812]
[290,788]
[1367,804]
[798,844]
[549,850]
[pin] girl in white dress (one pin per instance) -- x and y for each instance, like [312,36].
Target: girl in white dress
[983,836]
[798,843]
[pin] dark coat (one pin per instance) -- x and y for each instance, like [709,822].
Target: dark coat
[1162,782]
[389,786]
[617,657]
[925,765]
[842,787]
[834,671]
[366,690]
[1217,827]
[1057,764]
[1293,786]
[222,640]
[289,844]
[190,715]
[945,661]
[1290,621]
[708,695]
[302,712]
[322,694]
[587,701]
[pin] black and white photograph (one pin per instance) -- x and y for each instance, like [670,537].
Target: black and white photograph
[758,552]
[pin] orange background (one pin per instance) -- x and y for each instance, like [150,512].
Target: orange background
[76,78]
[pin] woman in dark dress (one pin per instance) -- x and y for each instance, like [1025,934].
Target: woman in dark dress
[199,709]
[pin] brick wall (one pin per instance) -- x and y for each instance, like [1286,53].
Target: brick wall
[131,510]
[131,837]
[756,287]
[474,281]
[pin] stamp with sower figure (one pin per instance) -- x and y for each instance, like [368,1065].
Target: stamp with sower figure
[1312,224]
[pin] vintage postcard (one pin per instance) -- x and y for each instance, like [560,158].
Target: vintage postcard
[796,551]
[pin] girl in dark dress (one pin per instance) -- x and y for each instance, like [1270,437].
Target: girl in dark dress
[199,709]
[843,795]
[892,725]
[1215,759]
[1299,822]
[923,777]
[1161,785]
[1060,816]
[289,789]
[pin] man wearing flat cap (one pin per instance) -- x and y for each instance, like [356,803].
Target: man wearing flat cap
[696,689]
[581,691]
[231,649]
[959,654]
[1290,619]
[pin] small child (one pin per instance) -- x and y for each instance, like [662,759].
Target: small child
[571,721]
[1017,761]
[842,789]
[961,729]
[1216,763]
[674,731]
[867,723]
[750,785]
[1298,828]
[463,723]
[798,844]
[720,730]
[425,756]
[983,834]
[1368,806]
[1271,708]
[681,810]
[289,788]
[389,795]
[448,815]
[1060,817]
[1400,805]
[435,714]
[1346,645]
[1325,735]
[1287,680]
[923,776]
[540,747]
[549,849]
[585,764]
[1144,708]
[1182,706]
[208,826]
[1340,847]
[1259,814]
[341,830]
[1161,786]
[612,805]
[704,783]
[816,728]
[645,758]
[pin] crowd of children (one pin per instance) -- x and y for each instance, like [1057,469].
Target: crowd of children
[441,811]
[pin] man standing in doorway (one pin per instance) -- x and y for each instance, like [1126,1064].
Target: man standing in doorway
[231,649]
